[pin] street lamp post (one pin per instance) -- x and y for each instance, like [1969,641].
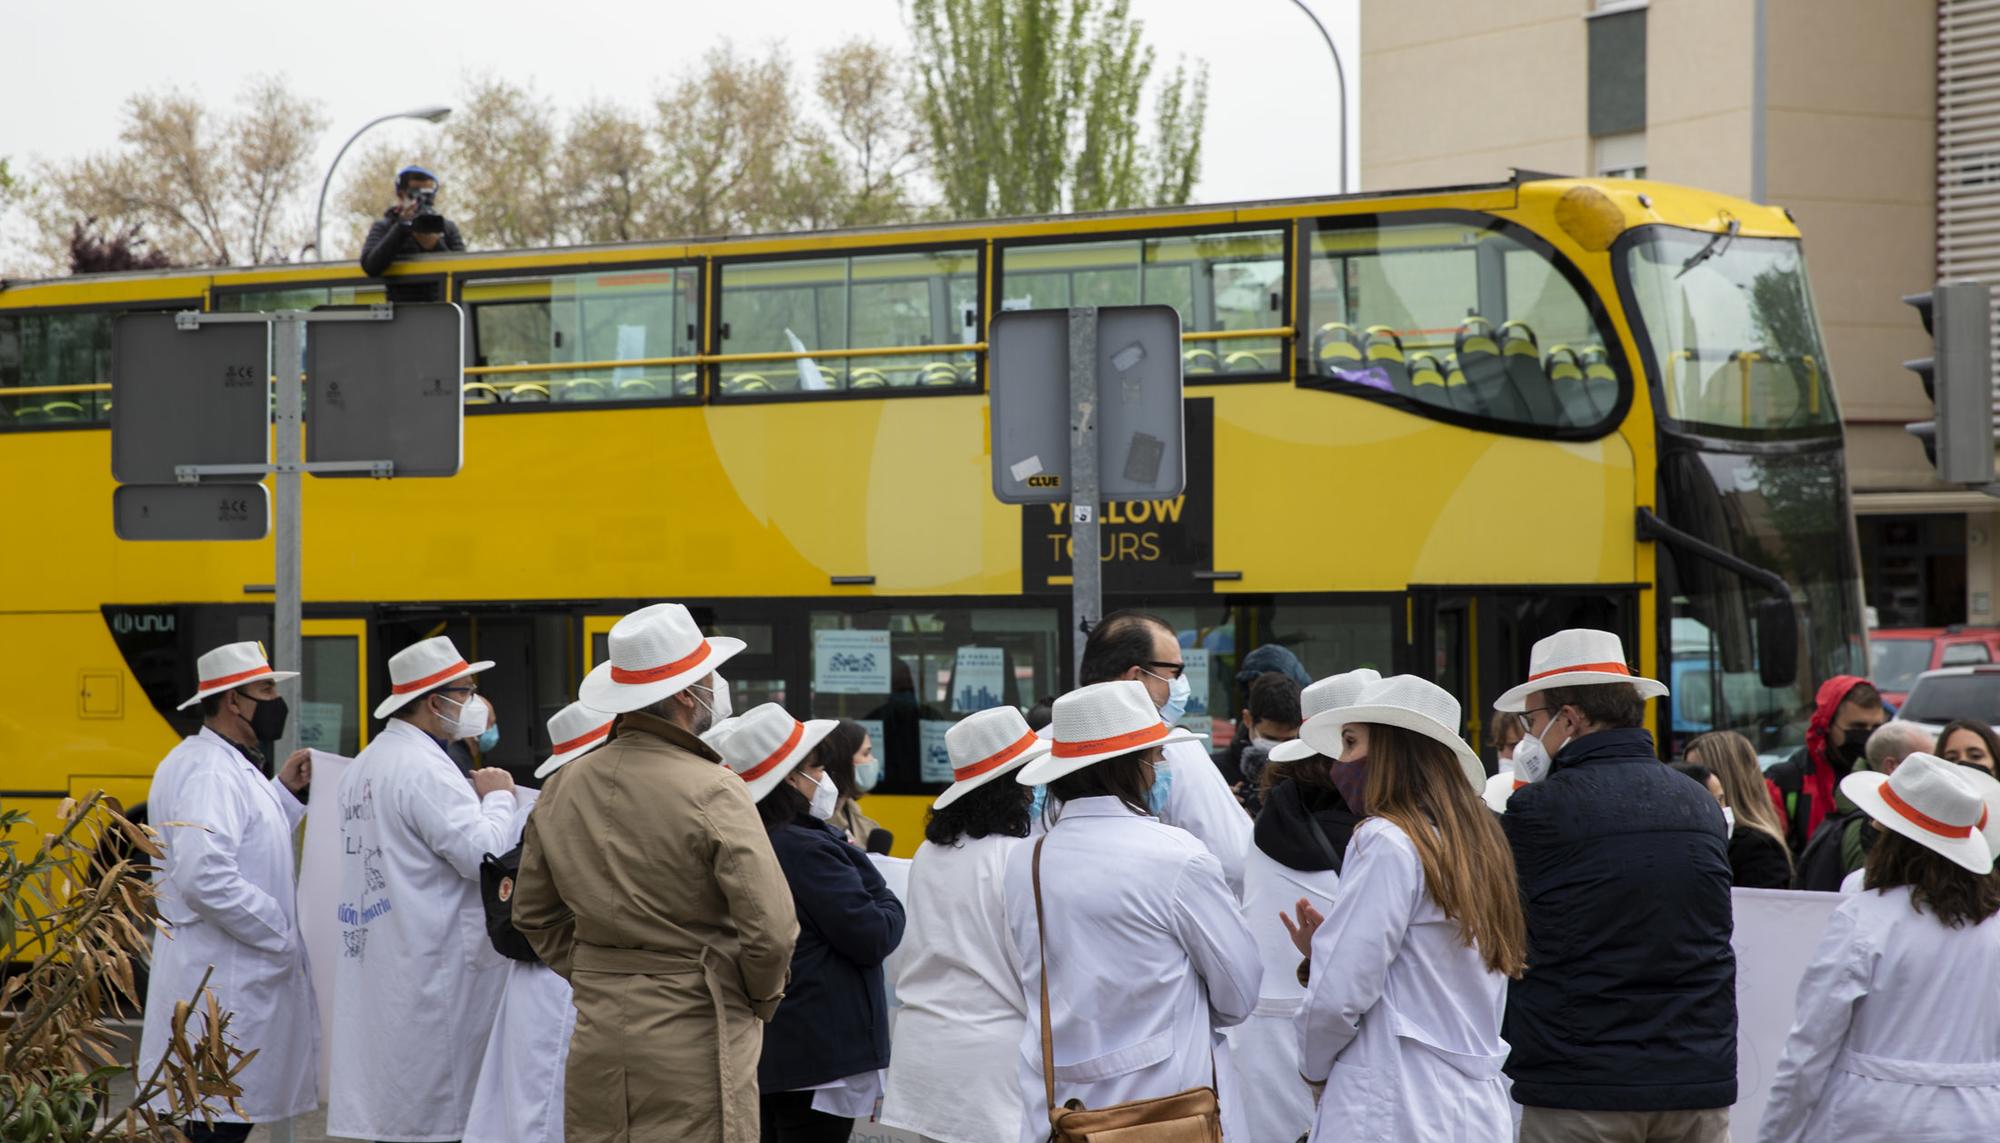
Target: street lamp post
[1340,74]
[434,114]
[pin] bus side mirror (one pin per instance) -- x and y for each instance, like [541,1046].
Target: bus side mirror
[1777,643]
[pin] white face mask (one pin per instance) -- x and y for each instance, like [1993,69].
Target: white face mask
[717,703]
[825,796]
[1531,758]
[469,722]
[1728,820]
[867,774]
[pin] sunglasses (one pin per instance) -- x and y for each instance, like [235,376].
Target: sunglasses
[1173,670]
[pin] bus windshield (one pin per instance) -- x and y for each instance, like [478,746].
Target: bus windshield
[1731,328]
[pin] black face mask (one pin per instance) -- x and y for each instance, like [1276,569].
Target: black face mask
[1851,750]
[267,722]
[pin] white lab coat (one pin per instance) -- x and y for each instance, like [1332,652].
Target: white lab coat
[1149,959]
[519,1097]
[418,981]
[1897,1034]
[226,886]
[1200,802]
[958,1033]
[1265,1047]
[1401,1020]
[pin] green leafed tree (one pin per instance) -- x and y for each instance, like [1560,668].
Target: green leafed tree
[1034,106]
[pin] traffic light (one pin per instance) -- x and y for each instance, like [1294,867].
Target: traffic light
[1958,378]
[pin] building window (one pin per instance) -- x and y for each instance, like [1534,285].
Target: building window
[1617,84]
[1620,156]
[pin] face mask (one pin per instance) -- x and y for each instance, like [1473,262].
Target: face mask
[267,722]
[1163,781]
[1351,779]
[1531,758]
[1178,690]
[1728,820]
[1257,740]
[825,796]
[469,722]
[1850,752]
[717,704]
[866,774]
[489,739]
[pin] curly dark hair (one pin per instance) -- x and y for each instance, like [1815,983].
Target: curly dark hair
[1953,894]
[997,809]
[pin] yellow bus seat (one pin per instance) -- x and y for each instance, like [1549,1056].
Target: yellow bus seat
[1565,375]
[1477,348]
[1383,350]
[868,377]
[1199,361]
[938,373]
[584,389]
[481,393]
[1600,380]
[529,392]
[1334,346]
[64,411]
[637,389]
[1427,380]
[1522,356]
[1245,361]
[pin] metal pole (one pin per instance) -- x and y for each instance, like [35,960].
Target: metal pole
[1086,573]
[1340,74]
[287,650]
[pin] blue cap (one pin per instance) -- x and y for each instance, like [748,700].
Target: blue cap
[413,169]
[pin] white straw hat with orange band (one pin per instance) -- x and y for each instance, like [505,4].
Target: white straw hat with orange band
[655,652]
[1099,722]
[765,743]
[574,731]
[423,667]
[230,666]
[1577,657]
[1325,695]
[986,745]
[1946,808]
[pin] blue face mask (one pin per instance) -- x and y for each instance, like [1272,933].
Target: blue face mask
[489,738]
[866,774]
[1178,691]
[1156,798]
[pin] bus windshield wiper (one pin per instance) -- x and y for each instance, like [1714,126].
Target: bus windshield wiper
[1716,245]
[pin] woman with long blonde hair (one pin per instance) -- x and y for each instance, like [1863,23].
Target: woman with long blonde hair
[1758,855]
[1408,970]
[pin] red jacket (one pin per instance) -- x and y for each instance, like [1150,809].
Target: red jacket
[1802,787]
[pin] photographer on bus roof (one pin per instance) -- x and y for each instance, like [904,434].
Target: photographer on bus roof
[412,225]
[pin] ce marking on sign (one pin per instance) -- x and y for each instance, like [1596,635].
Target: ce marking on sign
[234,510]
[239,376]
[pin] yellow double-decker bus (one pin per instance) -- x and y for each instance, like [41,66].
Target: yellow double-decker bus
[1424,429]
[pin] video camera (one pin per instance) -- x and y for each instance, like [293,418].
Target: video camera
[427,220]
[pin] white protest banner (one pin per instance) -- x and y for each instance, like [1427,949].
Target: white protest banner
[936,759]
[851,662]
[978,679]
[1776,933]
[319,892]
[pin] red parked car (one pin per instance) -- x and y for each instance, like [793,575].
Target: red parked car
[1901,654]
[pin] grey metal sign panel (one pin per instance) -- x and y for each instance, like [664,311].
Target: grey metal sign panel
[1142,448]
[191,511]
[388,390]
[187,396]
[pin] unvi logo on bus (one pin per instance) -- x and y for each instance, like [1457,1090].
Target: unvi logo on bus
[1145,545]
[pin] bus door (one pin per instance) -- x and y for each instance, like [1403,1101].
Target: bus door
[333,685]
[1474,642]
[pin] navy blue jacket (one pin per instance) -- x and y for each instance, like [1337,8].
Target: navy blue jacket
[834,1020]
[1629,1002]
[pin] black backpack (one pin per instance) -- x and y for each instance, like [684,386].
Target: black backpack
[496,892]
[1821,868]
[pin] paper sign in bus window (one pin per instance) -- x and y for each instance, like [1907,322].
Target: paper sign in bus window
[978,679]
[851,662]
[931,749]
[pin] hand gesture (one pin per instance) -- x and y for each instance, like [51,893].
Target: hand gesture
[297,772]
[491,780]
[1304,927]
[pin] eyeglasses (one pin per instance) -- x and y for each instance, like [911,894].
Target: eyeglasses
[1173,670]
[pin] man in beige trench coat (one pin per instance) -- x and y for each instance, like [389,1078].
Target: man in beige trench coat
[647,882]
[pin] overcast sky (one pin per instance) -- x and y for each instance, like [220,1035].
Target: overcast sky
[66,66]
